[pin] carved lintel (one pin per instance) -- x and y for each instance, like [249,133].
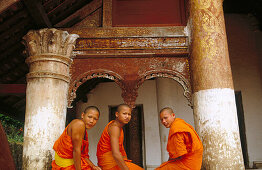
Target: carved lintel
[125,43]
[48,75]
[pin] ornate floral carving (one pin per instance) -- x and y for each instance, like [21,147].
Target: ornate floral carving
[90,75]
[49,41]
[209,53]
[130,91]
[184,82]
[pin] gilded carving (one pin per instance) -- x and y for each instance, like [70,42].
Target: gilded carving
[130,72]
[209,53]
[132,43]
[112,32]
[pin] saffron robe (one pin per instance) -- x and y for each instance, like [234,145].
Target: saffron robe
[183,142]
[104,152]
[64,149]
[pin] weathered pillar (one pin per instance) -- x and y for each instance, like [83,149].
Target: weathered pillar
[163,90]
[213,93]
[46,94]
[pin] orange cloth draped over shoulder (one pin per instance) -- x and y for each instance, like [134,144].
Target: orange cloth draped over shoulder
[104,152]
[64,152]
[183,141]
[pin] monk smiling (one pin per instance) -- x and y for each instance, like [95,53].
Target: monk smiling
[184,146]
[111,154]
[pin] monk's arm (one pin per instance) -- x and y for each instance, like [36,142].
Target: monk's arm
[78,131]
[114,133]
[177,146]
[92,165]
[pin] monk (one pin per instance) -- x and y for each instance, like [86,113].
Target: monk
[71,148]
[184,146]
[111,154]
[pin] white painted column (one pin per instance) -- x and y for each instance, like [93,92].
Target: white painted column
[46,94]
[164,99]
[214,105]
[216,122]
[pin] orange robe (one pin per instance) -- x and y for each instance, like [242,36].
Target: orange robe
[64,149]
[183,141]
[104,152]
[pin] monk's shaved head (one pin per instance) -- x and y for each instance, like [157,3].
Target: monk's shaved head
[121,106]
[168,109]
[92,108]
[167,116]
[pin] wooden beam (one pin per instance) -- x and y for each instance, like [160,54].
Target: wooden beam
[81,13]
[4,4]
[67,9]
[12,20]
[12,88]
[38,13]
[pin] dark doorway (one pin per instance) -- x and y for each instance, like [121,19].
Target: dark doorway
[242,128]
[70,115]
[133,134]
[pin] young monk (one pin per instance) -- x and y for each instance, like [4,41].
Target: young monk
[184,146]
[71,149]
[111,154]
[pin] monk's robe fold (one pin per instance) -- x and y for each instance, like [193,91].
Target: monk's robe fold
[183,141]
[64,153]
[104,152]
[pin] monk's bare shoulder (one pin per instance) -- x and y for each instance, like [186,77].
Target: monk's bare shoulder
[114,129]
[76,125]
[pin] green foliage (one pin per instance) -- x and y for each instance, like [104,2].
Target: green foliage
[13,128]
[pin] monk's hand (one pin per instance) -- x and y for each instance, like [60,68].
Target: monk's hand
[96,168]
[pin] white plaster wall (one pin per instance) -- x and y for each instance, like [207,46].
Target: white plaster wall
[177,100]
[106,94]
[147,97]
[245,51]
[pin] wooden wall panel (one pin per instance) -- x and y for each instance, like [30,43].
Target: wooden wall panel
[148,13]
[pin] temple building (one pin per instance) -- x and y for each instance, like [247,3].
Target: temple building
[202,60]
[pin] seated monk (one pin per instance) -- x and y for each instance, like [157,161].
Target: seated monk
[71,148]
[111,154]
[184,146]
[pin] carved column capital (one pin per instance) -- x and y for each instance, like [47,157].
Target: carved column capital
[50,41]
[50,52]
